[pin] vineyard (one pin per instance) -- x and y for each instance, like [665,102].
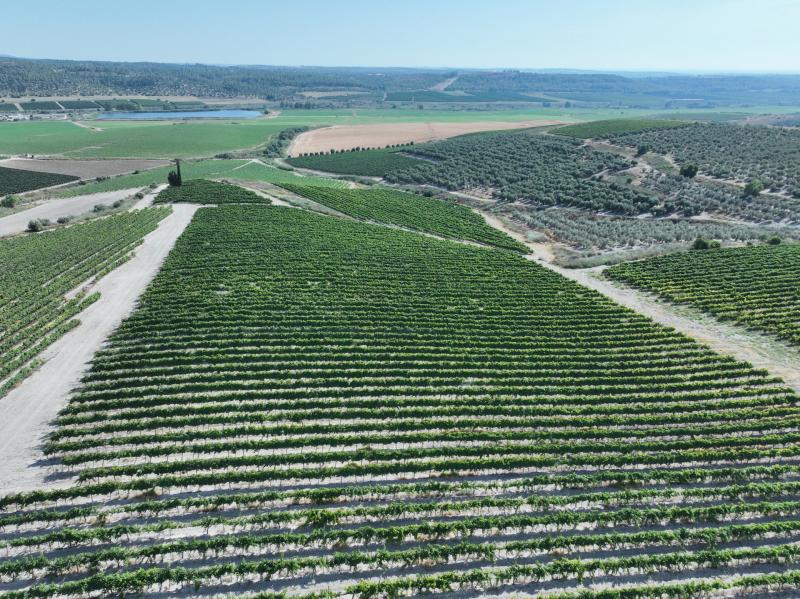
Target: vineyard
[310,406]
[753,286]
[14,180]
[379,204]
[202,191]
[601,129]
[38,272]
[365,163]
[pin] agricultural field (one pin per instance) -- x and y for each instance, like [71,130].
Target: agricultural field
[39,274]
[84,169]
[732,152]
[341,137]
[39,105]
[594,232]
[364,163]
[389,206]
[756,287]
[603,129]
[201,191]
[437,96]
[79,105]
[14,180]
[303,404]
[527,167]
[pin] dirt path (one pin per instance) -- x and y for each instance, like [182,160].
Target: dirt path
[26,412]
[52,209]
[148,198]
[443,85]
[759,350]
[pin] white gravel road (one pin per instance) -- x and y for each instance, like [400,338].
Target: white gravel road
[26,412]
[52,209]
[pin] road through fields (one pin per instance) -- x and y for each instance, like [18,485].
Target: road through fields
[26,412]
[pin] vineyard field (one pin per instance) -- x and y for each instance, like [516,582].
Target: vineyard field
[202,191]
[753,286]
[601,129]
[365,163]
[14,180]
[37,273]
[305,404]
[408,210]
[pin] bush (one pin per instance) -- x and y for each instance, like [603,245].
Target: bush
[753,188]
[9,201]
[138,195]
[63,220]
[689,170]
[701,244]
[98,208]
[37,225]
[774,240]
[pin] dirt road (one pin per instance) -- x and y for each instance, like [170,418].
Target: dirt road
[26,412]
[52,209]
[759,350]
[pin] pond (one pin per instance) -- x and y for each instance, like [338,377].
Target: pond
[180,115]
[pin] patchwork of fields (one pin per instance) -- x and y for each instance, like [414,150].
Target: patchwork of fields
[309,404]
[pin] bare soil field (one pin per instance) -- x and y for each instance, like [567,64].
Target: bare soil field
[345,137]
[85,169]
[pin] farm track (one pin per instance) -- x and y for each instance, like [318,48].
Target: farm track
[29,409]
[53,209]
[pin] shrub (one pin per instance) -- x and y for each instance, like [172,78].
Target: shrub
[774,240]
[689,170]
[753,188]
[701,244]
[9,201]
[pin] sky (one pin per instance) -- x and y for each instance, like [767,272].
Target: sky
[649,35]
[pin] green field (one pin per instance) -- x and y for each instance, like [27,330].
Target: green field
[299,395]
[365,163]
[380,204]
[165,139]
[611,127]
[201,191]
[201,169]
[15,180]
[753,286]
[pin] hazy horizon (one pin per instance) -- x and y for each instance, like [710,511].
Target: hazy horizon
[682,37]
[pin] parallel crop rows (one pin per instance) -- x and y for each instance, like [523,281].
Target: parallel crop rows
[303,404]
[37,273]
[202,191]
[15,180]
[758,287]
[408,210]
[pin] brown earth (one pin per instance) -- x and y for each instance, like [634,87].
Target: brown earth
[85,169]
[345,137]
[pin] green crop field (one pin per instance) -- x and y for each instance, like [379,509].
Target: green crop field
[15,180]
[611,127]
[366,163]
[753,286]
[304,400]
[415,212]
[39,269]
[201,191]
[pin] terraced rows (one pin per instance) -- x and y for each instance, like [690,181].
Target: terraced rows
[309,406]
[758,287]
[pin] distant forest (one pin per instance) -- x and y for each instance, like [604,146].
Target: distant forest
[42,78]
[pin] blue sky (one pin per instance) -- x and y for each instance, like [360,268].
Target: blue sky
[689,35]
